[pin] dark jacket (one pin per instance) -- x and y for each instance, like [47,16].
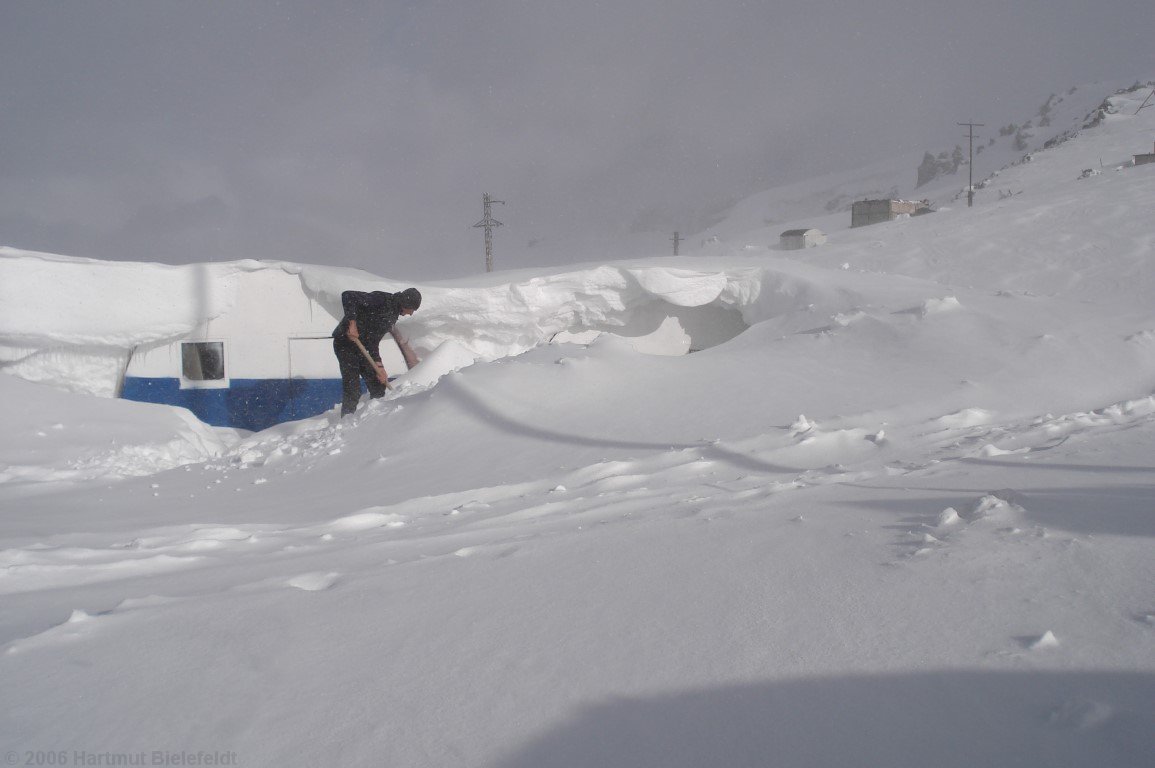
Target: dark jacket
[374,312]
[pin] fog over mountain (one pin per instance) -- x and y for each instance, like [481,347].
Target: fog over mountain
[363,134]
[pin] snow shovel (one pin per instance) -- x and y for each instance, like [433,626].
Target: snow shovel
[372,362]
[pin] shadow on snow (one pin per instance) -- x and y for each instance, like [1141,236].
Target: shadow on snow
[944,719]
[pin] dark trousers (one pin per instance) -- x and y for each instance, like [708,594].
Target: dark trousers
[354,368]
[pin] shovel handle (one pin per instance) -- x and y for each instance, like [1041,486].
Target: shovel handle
[372,362]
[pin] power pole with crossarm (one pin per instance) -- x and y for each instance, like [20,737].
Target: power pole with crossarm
[488,223]
[971,163]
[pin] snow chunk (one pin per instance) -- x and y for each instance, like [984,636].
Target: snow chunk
[584,338]
[968,417]
[801,425]
[845,319]
[1047,640]
[365,521]
[991,505]
[315,581]
[990,451]
[948,516]
[945,304]
[670,339]
[936,307]
[449,356]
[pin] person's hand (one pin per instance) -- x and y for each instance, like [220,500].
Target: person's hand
[382,376]
[352,331]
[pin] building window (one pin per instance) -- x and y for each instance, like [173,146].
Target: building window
[203,360]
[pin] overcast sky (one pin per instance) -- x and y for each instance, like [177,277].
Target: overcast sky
[363,134]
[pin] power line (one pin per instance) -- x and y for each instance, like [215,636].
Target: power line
[488,223]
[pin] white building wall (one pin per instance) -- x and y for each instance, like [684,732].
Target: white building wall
[273,330]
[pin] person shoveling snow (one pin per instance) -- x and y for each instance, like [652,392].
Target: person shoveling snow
[357,338]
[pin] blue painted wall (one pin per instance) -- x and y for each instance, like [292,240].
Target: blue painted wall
[252,404]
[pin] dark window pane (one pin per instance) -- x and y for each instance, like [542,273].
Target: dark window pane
[203,360]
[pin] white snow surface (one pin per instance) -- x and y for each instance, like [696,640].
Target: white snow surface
[897,508]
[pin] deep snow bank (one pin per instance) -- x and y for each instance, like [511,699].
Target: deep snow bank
[73,322]
[52,436]
[487,319]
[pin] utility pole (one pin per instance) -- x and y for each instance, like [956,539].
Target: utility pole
[676,239]
[971,162]
[488,223]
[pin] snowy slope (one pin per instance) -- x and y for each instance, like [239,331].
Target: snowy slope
[825,201]
[898,510]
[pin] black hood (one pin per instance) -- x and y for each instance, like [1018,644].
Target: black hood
[410,298]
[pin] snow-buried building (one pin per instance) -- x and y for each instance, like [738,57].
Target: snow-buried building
[247,344]
[260,350]
[265,358]
[240,344]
